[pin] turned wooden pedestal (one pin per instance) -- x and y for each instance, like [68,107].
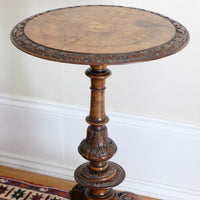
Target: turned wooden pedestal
[99,36]
[97,177]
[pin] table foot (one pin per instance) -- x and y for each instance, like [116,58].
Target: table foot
[77,192]
[81,193]
[127,196]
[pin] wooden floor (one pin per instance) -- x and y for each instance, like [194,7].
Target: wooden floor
[42,179]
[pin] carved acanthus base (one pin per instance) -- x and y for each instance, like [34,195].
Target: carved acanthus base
[97,147]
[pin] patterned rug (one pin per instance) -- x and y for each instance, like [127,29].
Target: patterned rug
[12,189]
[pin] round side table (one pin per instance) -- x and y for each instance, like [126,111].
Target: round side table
[99,36]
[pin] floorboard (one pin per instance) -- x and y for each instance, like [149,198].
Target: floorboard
[43,179]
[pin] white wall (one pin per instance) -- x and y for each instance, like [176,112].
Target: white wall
[163,157]
[168,89]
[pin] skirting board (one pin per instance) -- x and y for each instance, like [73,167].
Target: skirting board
[57,164]
[142,187]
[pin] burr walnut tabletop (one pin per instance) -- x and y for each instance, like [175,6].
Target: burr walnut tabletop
[99,36]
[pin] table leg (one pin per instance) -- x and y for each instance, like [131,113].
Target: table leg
[97,177]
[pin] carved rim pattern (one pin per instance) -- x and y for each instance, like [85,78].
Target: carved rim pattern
[21,41]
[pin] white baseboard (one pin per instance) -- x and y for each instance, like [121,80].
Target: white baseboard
[164,162]
[60,171]
[36,166]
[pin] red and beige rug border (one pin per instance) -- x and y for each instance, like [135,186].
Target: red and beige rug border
[15,189]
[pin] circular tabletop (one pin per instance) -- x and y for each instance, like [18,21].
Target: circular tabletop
[96,35]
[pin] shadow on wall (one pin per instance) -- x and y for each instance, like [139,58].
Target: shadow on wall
[13,78]
[20,129]
[13,71]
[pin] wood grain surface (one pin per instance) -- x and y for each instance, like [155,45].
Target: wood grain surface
[96,35]
[99,29]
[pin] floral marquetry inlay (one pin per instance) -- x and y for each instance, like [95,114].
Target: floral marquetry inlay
[99,29]
[96,35]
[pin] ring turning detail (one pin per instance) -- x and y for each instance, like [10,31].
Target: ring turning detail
[99,36]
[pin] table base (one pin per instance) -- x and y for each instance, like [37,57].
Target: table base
[81,193]
[97,177]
